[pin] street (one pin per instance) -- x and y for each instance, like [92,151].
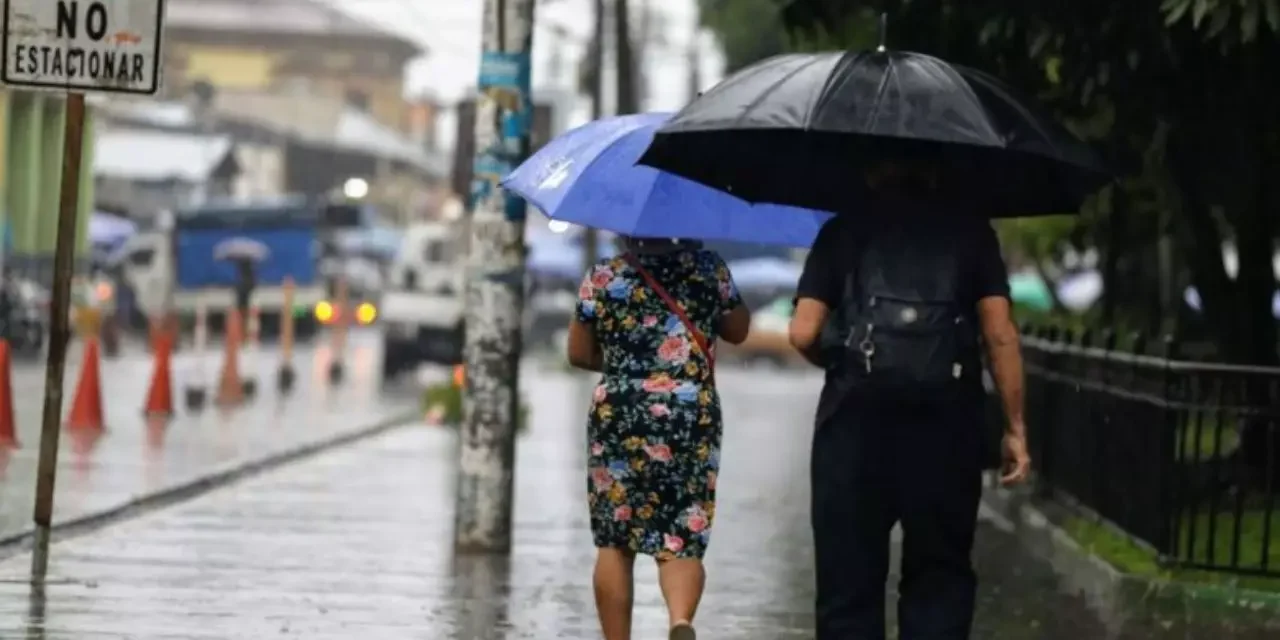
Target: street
[357,543]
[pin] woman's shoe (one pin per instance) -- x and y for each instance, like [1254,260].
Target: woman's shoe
[682,631]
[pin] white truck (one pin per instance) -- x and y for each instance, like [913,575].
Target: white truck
[422,309]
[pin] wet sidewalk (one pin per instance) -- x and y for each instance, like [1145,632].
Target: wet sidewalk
[130,460]
[356,544]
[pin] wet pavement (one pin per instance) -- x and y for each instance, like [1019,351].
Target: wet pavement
[130,459]
[356,544]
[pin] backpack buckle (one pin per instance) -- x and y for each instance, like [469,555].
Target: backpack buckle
[867,347]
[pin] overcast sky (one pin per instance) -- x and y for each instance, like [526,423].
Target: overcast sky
[450,30]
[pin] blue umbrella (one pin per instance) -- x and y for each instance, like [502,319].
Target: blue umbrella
[589,176]
[109,230]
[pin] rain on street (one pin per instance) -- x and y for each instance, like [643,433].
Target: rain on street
[358,541]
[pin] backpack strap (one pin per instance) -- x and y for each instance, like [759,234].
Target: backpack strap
[851,298]
[699,340]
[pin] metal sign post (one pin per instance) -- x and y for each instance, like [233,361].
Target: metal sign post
[76,46]
[63,267]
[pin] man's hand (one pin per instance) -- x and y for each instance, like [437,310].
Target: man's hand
[1017,462]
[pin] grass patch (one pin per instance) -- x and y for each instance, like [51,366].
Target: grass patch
[1208,442]
[448,397]
[1129,557]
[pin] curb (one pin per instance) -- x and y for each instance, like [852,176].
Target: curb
[1120,597]
[231,473]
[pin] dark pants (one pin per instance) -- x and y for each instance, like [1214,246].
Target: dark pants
[877,462]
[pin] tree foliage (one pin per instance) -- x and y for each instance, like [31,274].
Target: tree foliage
[1176,95]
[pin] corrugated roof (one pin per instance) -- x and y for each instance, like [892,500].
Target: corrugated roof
[358,130]
[158,155]
[311,119]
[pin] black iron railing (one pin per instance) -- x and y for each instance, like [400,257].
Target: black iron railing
[1182,456]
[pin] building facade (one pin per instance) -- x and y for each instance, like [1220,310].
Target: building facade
[31,126]
[299,47]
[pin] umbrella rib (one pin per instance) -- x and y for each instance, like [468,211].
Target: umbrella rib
[891,72]
[769,91]
[846,60]
[963,83]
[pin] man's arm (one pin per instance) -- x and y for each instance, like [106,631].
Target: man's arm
[1000,335]
[806,327]
[817,292]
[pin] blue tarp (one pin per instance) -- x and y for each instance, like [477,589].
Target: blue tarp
[292,254]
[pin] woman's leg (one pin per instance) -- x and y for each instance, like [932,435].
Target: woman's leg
[613,587]
[682,580]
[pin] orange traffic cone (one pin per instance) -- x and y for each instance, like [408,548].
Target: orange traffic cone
[8,432]
[86,407]
[160,396]
[230,389]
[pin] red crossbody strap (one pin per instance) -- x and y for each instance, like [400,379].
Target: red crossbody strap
[698,338]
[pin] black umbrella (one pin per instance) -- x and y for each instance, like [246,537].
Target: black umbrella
[803,129]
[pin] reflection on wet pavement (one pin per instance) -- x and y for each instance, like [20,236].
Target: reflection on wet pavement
[134,457]
[356,544]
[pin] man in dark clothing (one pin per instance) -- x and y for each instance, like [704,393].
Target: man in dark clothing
[246,281]
[913,458]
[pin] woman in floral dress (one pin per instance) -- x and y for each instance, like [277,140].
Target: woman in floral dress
[654,428]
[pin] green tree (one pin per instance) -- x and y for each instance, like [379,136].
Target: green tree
[1174,95]
[747,30]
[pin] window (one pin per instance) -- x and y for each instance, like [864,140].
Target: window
[358,99]
[338,61]
[341,215]
[435,251]
[142,257]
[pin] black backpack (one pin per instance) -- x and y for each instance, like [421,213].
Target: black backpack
[902,325]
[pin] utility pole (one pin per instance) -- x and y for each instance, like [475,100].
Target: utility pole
[628,101]
[694,60]
[590,238]
[495,284]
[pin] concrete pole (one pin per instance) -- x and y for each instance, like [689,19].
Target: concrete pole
[628,100]
[495,284]
[590,238]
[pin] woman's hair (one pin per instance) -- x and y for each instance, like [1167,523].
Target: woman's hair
[640,244]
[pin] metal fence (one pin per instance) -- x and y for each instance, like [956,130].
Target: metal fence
[1182,456]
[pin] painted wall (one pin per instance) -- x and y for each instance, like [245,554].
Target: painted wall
[31,171]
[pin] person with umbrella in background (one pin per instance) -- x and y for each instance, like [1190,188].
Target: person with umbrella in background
[244,254]
[913,153]
[648,320]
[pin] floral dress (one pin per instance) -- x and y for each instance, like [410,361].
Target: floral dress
[654,428]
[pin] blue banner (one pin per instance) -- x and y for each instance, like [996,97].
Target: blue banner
[503,112]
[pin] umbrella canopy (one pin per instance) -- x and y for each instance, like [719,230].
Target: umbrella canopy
[764,273]
[1079,291]
[803,129]
[1029,290]
[106,229]
[241,249]
[589,176]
